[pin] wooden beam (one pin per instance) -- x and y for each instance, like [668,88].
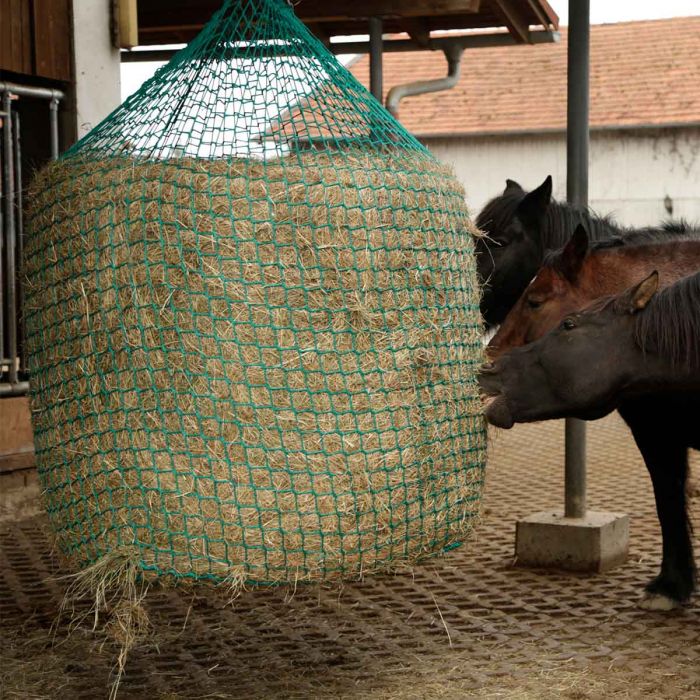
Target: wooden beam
[324,11]
[128,24]
[16,434]
[417,29]
[546,16]
[514,18]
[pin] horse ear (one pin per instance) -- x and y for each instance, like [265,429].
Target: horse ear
[535,203]
[640,295]
[574,253]
[512,186]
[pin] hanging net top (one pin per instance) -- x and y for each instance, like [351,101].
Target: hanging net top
[252,318]
[254,83]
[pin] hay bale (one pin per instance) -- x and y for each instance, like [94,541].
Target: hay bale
[254,370]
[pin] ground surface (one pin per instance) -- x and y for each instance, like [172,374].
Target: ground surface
[468,625]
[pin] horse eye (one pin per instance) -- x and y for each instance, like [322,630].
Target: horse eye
[534,304]
[568,324]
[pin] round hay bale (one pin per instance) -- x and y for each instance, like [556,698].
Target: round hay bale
[256,367]
[252,321]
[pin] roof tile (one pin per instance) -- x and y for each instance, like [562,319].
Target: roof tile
[642,73]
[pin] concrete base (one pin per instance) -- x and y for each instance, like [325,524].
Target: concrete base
[595,543]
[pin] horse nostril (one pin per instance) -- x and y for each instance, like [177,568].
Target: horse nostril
[488,367]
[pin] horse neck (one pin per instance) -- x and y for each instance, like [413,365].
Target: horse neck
[670,327]
[612,270]
[561,220]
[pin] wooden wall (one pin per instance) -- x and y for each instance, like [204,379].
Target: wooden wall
[36,38]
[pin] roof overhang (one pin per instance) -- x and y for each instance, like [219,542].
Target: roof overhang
[163,22]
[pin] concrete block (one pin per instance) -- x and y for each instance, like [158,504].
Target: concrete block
[598,542]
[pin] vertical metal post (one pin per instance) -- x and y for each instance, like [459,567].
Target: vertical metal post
[10,309]
[6,323]
[577,138]
[19,199]
[375,57]
[53,107]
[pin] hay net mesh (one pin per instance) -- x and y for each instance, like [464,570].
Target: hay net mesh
[252,319]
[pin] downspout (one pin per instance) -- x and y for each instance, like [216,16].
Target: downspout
[453,54]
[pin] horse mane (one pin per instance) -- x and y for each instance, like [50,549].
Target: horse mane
[670,324]
[562,218]
[667,232]
[500,210]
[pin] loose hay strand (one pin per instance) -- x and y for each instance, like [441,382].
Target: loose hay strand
[111,592]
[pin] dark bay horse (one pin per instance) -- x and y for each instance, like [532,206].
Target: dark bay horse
[634,344]
[520,227]
[574,276]
[663,428]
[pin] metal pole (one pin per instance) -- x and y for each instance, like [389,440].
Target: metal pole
[577,137]
[53,107]
[375,57]
[19,198]
[9,230]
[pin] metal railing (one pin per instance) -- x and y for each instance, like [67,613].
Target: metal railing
[13,361]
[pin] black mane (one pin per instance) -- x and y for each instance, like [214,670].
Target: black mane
[562,218]
[500,211]
[670,324]
[667,232]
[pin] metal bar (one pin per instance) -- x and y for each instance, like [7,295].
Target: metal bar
[19,199]
[577,141]
[474,41]
[30,91]
[12,345]
[18,389]
[7,215]
[9,252]
[53,110]
[375,58]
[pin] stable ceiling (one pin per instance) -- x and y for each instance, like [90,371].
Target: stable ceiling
[178,21]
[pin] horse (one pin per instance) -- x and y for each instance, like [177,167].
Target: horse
[569,280]
[571,372]
[519,228]
[573,276]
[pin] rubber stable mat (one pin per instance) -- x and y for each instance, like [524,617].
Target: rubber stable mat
[468,624]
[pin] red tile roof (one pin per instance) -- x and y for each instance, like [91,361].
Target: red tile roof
[642,73]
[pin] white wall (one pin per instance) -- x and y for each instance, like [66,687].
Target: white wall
[630,172]
[97,65]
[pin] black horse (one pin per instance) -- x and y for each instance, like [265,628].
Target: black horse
[634,344]
[520,227]
[639,353]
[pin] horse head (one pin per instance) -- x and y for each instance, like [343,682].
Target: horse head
[551,294]
[510,252]
[580,369]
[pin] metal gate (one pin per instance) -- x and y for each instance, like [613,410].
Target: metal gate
[13,364]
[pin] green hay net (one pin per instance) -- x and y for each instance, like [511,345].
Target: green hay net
[252,318]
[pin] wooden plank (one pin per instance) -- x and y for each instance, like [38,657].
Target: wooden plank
[165,21]
[16,434]
[53,44]
[324,11]
[128,24]
[15,36]
[546,16]
[514,18]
